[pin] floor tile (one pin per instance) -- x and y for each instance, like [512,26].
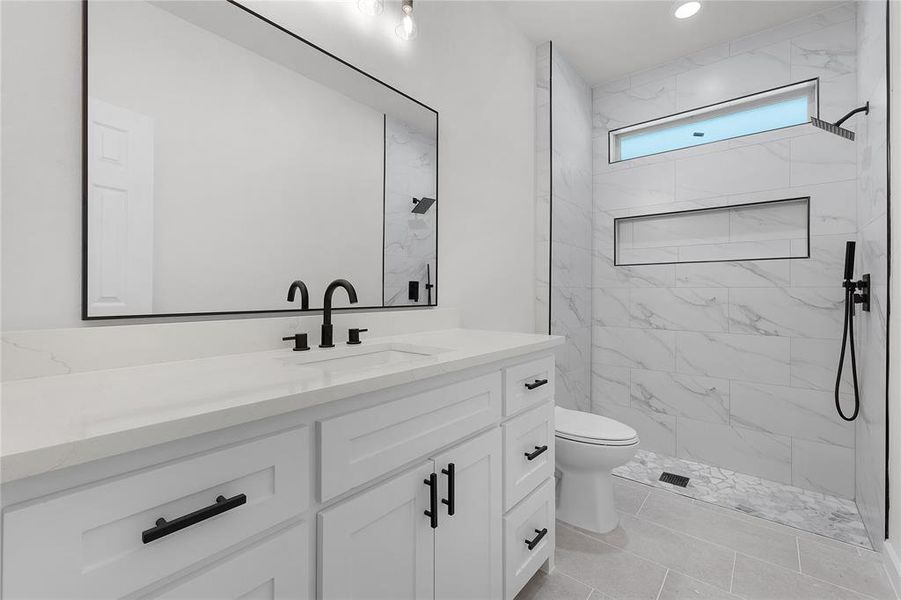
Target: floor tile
[810,511]
[555,586]
[608,569]
[845,567]
[758,580]
[680,587]
[693,518]
[628,495]
[699,559]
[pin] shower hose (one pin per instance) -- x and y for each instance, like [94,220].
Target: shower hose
[848,335]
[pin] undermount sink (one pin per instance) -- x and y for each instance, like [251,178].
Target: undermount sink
[363,357]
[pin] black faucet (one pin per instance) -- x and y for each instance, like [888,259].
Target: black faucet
[304,294]
[327,329]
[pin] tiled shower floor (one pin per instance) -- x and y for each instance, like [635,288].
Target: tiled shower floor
[829,516]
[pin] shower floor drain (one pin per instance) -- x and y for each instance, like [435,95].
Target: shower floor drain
[680,480]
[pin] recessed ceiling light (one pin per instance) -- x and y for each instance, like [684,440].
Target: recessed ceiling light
[684,10]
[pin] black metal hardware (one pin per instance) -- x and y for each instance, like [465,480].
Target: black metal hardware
[535,384]
[327,335]
[534,542]
[413,291]
[673,479]
[432,513]
[353,336]
[164,527]
[539,450]
[297,284]
[450,471]
[428,281]
[300,341]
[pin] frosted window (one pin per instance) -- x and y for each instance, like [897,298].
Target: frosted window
[775,109]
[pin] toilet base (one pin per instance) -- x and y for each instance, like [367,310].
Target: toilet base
[586,500]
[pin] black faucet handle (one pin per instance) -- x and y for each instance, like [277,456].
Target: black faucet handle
[353,336]
[300,341]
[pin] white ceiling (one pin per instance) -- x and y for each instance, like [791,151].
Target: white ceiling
[606,39]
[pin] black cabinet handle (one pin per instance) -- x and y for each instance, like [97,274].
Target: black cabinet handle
[432,513]
[535,384]
[539,450]
[450,471]
[534,542]
[164,527]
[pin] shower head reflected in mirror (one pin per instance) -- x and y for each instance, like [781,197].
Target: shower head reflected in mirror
[421,205]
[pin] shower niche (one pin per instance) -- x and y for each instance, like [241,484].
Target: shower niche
[771,230]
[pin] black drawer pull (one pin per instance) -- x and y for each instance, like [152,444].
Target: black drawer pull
[450,471]
[432,513]
[164,527]
[536,383]
[534,542]
[539,450]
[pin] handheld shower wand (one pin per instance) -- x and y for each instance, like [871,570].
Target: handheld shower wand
[856,292]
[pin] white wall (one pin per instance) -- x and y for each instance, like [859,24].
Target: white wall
[468,63]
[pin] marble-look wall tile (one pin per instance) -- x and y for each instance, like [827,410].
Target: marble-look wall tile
[822,157]
[825,53]
[635,104]
[606,275]
[814,364]
[825,267]
[610,307]
[795,412]
[700,398]
[793,312]
[639,186]
[637,348]
[732,356]
[682,64]
[753,452]
[794,29]
[691,309]
[727,172]
[744,273]
[742,74]
[823,467]
[610,384]
[656,431]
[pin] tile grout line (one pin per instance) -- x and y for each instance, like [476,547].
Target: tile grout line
[662,583]
[817,579]
[798,546]
[732,577]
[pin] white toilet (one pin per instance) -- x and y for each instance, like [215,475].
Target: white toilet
[588,447]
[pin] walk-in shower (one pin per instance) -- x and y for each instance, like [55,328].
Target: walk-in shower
[701,280]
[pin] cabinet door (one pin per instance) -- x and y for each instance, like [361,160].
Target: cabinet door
[468,552]
[379,543]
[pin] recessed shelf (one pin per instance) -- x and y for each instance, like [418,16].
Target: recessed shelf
[770,230]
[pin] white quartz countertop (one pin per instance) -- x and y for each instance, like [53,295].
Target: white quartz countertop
[54,422]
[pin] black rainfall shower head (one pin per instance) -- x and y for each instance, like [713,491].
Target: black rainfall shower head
[825,126]
[836,127]
[421,205]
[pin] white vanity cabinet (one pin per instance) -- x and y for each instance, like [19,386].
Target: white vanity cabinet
[420,490]
[381,543]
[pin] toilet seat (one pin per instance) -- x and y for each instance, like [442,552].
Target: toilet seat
[589,428]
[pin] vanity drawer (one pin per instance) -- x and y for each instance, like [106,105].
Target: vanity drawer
[528,452]
[535,514]
[528,384]
[360,446]
[90,543]
[277,568]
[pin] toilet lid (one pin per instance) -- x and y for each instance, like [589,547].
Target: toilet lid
[589,427]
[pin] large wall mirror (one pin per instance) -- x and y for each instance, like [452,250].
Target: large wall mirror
[226,157]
